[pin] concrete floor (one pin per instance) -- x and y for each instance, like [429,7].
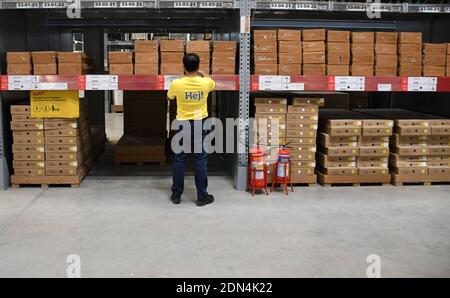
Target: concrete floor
[127,227]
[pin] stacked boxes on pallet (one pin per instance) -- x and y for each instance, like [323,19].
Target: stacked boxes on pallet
[314,52]
[172,52]
[363,57]
[73,63]
[224,57]
[28,142]
[386,58]
[44,63]
[338,53]
[146,57]
[434,59]
[203,49]
[265,52]
[301,134]
[410,54]
[289,52]
[120,63]
[19,63]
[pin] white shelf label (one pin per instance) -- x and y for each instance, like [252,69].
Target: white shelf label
[168,80]
[430,9]
[210,4]
[102,82]
[27,5]
[275,5]
[356,7]
[105,4]
[49,5]
[131,4]
[310,6]
[184,4]
[349,83]
[19,82]
[384,87]
[295,86]
[425,84]
[274,82]
[49,86]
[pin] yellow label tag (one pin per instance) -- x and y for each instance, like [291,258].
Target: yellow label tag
[38,134]
[70,132]
[422,171]
[71,141]
[71,156]
[71,172]
[353,172]
[38,156]
[384,151]
[39,141]
[383,172]
[54,104]
[425,130]
[424,150]
[353,151]
[39,172]
[356,130]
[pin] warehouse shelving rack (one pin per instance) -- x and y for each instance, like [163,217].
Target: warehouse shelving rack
[244,83]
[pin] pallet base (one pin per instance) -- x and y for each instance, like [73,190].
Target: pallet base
[400,180]
[46,181]
[353,180]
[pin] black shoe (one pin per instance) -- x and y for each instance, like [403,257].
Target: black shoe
[208,199]
[175,198]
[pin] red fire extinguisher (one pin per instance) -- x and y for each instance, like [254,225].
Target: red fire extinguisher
[282,170]
[257,170]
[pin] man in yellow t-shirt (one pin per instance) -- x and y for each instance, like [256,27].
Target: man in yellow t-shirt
[191,93]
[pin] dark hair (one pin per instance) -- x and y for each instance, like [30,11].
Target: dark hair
[191,62]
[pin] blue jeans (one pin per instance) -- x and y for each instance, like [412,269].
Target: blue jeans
[200,159]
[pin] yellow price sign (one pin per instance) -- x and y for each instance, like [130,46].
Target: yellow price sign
[54,104]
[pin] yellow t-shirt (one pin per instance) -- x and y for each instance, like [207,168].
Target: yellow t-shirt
[192,95]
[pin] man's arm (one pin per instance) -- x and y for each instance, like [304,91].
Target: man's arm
[171,94]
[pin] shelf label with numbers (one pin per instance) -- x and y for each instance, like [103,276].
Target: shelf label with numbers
[19,82]
[426,84]
[311,6]
[131,4]
[447,9]
[275,5]
[105,4]
[27,5]
[168,80]
[430,9]
[356,7]
[295,86]
[49,5]
[349,83]
[211,4]
[102,82]
[384,87]
[273,82]
[185,4]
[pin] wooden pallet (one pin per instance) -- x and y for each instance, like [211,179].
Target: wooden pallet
[353,180]
[403,180]
[310,180]
[47,181]
[117,108]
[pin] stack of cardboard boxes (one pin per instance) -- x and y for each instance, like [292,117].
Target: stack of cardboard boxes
[434,59]
[289,52]
[73,63]
[203,49]
[265,53]
[301,134]
[28,142]
[120,63]
[410,54]
[146,57]
[314,52]
[363,57]
[224,57]
[172,52]
[338,53]
[44,63]
[19,63]
[386,58]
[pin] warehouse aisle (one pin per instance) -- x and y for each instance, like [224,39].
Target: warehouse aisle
[127,227]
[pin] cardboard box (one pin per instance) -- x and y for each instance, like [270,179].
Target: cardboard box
[146,57]
[172,68]
[373,171]
[386,49]
[63,132]
[362,48]
[61,148]
[410,71]
[43,57]
[225,46]
[339,171]
[60,123]
[338,36]
[27,148]
[171,45]
[398,140]
[301,133]
[72,69]
[372,151]
[301,141]
[314,69]
[433,71]
[74,140]
[56,156]
[271,109]
[339,151]
[265,47]
[361,70]
[301,117]
[338,70]
[198,46]
[72,57]
[410,60]
[227,58]
[28,140]
[45,69]
[265,35]
[20,109]
[386,37]
[146,69]
[29,172]
[303,109]
[205,57]
[326,161]
[307,100]
[19,69]
[314,34]
[28,156]
[172,57]
[265,58]
[363,37]
[410,49]
[410,171]
[434,60]
[410,151]
[313,46]
[121,69]
[338,48]
[389,71]
[410,37]
[434,48]
[314,57]
[293,125]
[223,69]
[18,58]
[289,35]
[439,150]
[289,47]
[289,69]
[145,46]
[52,164]
[287,58]
[338,59]
[412,130]
[120,57]
[29,164]
[326,140]
[266,69]
[363,59]
[343,131]
[270,100]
